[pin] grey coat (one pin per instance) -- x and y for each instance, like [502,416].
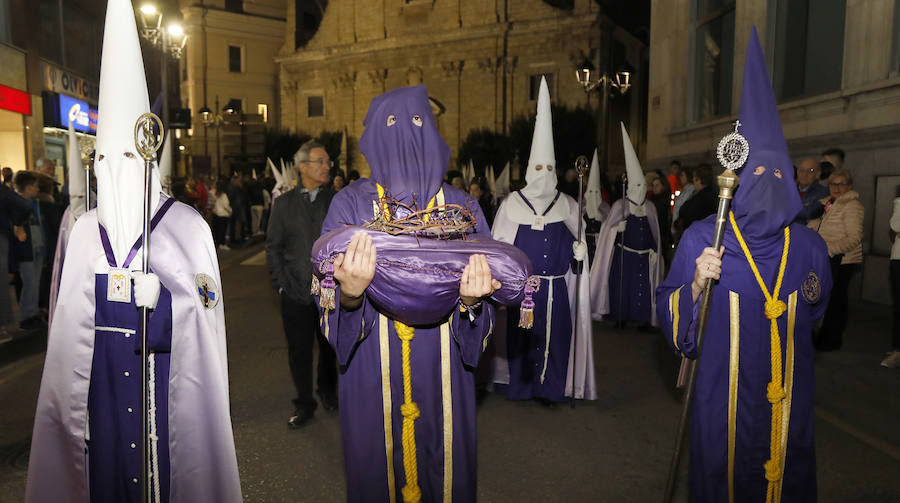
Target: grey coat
[294,225]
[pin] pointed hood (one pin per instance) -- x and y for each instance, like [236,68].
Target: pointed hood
[165,164]
[279,180]
[540,186]
[766,200]
[501,184]
[637,184]
[76,175]
[490,179]
[123,98]
[403,147]
[593,197]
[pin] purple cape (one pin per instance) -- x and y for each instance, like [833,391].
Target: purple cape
[505,229]
[201,446]
[606,245]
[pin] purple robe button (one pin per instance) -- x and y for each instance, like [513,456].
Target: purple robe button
[133,445]
[127,374]
[135,480]
[129,409]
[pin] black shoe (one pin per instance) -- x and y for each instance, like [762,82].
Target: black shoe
[549,404]
[32,323]
[329,401]
[300,419]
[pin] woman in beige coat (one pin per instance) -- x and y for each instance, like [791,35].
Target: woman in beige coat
[841,226]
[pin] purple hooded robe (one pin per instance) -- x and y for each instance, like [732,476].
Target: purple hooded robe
[732,416]
[84,360]
[408,160]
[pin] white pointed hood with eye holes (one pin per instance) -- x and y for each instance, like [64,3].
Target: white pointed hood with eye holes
[637,183]
[123,98]
[541,183]
[540,188]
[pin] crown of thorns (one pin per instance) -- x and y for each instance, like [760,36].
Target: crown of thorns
[445,221]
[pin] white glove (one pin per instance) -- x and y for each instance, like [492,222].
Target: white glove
[146,289]
[579,248]
[621,226]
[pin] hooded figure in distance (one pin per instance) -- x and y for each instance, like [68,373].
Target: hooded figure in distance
[752,422]
[543,222]
[627,267]
[87,431]
[406,394]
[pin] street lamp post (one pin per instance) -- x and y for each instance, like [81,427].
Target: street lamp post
[608,86]
[170,40]
[215,119]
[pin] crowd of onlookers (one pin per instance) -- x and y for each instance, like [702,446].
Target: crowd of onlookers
[31,208]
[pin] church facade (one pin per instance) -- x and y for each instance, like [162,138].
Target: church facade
[480,59]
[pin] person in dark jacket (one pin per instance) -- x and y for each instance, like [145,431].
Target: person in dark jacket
[14,211]
[29,253]
[294,225]
[705,200]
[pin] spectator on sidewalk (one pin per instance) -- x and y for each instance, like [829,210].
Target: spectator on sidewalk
[686,178]
[705,200]
[29,251]
[835,156]
[257,205]
[811,191]
[294,225]
[841,226]
[14,210]
[221,215]
[893,357]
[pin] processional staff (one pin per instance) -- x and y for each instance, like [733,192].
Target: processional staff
[147,142]
[732,153]
[581,167]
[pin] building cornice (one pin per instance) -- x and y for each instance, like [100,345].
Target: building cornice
[426,41]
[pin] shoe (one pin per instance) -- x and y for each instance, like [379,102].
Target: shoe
[32,323]
[892,360]
[548,404]
[329,401]
[300,419]
[224,248]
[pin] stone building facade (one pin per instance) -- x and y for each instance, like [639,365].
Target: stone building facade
[480,59]
[835,72]
[229,56]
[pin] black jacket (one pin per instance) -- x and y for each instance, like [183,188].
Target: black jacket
[701,205]
[294,226]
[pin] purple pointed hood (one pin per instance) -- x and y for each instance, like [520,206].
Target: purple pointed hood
[764,203]
[401,142]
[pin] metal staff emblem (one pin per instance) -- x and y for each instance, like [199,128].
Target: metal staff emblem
[581,167]
[732,153]
[147,142]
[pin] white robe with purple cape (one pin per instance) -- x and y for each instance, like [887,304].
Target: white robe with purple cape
[582,348]
[201,446]
[606,244]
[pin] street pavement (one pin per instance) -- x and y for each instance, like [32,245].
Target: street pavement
[614,449]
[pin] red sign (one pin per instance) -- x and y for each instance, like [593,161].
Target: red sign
[15,100]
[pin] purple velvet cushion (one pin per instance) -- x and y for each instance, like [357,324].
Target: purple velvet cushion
[417,280]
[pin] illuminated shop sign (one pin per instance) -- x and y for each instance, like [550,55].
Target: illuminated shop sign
[82,115]
[15,100]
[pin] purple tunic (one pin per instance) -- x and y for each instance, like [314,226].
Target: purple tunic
[538,360]
[114,407]
[735,366]
[370,388]
[631,260]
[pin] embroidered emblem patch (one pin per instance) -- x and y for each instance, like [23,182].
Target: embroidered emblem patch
[812,288]
[118,285]
[207,290]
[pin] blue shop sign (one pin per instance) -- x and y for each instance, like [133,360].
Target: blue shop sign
[82,115]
